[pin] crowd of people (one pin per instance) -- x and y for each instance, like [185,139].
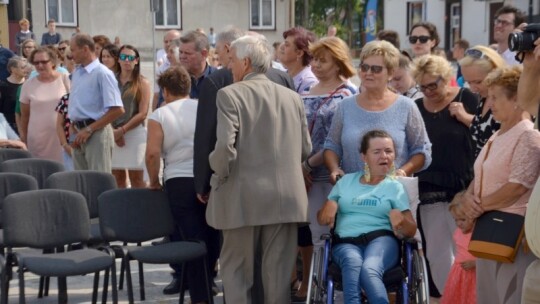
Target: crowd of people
[259,149]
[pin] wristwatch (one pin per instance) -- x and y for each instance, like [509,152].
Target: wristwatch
[89,130]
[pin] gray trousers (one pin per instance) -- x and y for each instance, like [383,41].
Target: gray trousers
[96,153]
[531,284]
[256,263]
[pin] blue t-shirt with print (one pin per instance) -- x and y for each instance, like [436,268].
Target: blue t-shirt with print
[365,208]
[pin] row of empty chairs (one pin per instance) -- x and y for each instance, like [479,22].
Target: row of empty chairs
[44,208]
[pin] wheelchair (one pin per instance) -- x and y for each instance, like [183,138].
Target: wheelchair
[408,279]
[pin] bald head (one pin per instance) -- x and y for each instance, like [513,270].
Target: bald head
[170,36]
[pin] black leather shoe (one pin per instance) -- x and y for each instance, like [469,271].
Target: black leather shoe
[173,287]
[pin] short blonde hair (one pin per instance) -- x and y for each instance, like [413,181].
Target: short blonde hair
[339,51]
[382,48]
[490,59]
[24,21]
[507,78]
[431,65]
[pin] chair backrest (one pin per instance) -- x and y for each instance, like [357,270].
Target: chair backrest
[15,182]
[45,219]
[10,153]
[40,169]
[134,215]
[91,184]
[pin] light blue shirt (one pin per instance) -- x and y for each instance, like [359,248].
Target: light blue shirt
[94,90]
[365,208]
[402,120]
[6,132]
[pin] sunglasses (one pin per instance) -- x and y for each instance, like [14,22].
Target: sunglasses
[128,57]
[423,39]
[44,62]
[431,86]
[375,69]
[62,49]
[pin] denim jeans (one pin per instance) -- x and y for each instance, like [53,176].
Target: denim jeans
[362,268]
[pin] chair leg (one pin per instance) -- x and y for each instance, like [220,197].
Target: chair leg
[113,284]
[96,286]
[141,281]
[22,299]
[41,287]
[4,281]
[46,287]
[207,280]
[62,290]
[182,273]
[122,271]
[128,280]
[105,285]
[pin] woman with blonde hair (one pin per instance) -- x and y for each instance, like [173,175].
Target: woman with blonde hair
[377,107]
[478,62]
[39,97]
[452,159]
[505,172]
[331,64]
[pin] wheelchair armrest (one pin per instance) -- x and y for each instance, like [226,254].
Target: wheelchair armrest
[326,236]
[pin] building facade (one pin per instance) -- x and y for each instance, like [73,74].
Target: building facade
[132,20]
[455,19]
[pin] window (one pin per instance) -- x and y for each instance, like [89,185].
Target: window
[262,14]
[64,12]
[415,14]
[169,14]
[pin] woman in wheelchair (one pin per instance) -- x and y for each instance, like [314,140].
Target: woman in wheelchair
[372,212]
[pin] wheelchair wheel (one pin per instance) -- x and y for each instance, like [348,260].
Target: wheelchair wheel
[419,286]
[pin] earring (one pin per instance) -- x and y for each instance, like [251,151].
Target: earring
[393,171]
[367,175]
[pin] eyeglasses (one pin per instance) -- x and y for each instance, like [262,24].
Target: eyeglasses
[431,86]
[44,62]
[423,39]
[128,57]
[498,21]
[375,69]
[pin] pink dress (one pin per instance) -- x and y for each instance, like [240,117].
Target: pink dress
[43,97]
[461,284]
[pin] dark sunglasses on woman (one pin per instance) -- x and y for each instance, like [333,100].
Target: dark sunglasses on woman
[414,39]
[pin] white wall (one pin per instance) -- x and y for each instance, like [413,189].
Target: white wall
[131,20]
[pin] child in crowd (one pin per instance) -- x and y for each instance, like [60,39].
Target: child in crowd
[461,284]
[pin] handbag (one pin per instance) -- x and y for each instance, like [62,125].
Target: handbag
[497,235]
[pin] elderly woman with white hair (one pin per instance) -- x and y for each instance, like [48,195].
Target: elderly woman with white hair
[258,195]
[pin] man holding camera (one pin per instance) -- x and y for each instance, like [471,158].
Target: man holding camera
[529,99]
[507,19]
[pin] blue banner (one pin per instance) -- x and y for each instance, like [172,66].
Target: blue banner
[370,20]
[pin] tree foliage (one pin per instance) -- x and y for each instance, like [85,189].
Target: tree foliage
[345,15]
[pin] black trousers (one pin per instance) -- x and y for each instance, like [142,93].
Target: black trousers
[189,216]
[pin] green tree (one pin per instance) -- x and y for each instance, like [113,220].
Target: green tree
[320,14]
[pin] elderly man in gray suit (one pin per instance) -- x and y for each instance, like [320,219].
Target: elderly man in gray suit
[258,194]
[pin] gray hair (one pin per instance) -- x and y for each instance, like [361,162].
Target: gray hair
[175,45]
[256,50]
[199,39]
[14,62]
[230,35]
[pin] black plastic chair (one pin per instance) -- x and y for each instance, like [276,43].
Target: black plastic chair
[13,183]
[141,215]
[46,219]
[40,169]
[11,153]
[91,184]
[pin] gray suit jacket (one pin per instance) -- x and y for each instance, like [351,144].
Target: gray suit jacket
[262,138]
